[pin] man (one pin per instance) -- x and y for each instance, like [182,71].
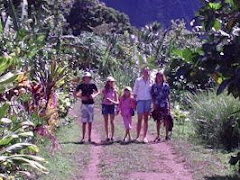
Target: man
[141,92]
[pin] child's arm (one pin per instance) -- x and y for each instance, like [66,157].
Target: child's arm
[95,94]
[115,101]
[133,103]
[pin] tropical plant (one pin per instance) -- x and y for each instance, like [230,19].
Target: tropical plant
[85,15]
[217,23]
[216,119]
[17,153]
[234,160]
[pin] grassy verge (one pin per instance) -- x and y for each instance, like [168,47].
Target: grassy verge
[73,158]
[205,163]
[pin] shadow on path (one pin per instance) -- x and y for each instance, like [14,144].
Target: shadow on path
[222,178]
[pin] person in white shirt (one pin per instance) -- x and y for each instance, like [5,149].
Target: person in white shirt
[142,94]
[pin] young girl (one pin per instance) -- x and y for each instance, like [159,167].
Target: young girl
[87,91]
[161,104]
[110,101]
[127,106]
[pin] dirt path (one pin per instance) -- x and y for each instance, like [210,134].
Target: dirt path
[92,170]
[167,164]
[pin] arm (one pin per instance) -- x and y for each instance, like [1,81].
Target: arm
[153,97]
[78,93]
[135,89]
[116,100]
[133,103]
[169,99]
[95,92]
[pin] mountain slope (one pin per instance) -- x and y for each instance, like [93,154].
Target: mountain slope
[142,12]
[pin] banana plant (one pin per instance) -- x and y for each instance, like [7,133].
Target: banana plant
[17,153]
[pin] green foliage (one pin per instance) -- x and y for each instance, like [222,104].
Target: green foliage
[235,160]
[65,103]
[17,155]
[216,119]
[217,60]
[85,15]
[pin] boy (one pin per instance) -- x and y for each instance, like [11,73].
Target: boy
[87,91]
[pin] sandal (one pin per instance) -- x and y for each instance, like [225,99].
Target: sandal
[157,139]
[167,138]
[82,141]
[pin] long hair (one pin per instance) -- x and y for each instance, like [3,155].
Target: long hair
[163,77]
[123,95]
[108,88]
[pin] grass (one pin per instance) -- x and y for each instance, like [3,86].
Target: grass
[118,161]
[71,160]
[206,163]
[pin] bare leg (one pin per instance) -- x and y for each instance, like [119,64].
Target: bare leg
[158,125]
[112,116]
[89,132]
[106,124]
[139,125]
[145,124]
[125,136]
[83,130]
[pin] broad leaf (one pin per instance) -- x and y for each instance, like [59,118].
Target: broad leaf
[8,78]
[215,6]
[217,24]
[5,121]
[3,110]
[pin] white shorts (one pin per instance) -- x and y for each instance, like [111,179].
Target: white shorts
[87,113]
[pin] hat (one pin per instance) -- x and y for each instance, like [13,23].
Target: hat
[128,88]
[111,79]
[87,74]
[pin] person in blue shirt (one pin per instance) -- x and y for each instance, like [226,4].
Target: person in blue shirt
[160,92]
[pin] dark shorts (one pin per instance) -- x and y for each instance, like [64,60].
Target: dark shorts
[160,114]
[108,109]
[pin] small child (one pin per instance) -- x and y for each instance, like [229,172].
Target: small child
[127,106]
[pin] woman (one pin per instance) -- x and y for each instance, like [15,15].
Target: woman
[109,103]
[141,92]
[161,104]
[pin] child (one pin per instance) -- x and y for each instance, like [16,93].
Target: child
[109,103]
[161,104]
[127,106]
[87,91]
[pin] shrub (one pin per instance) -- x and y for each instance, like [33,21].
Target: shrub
[216,119]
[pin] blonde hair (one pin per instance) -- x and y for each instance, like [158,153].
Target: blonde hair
[107,87]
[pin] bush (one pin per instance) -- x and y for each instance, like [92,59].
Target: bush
[216,119]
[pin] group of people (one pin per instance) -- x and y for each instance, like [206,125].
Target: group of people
[147,98]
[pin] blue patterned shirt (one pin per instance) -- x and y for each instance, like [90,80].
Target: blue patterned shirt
[160,95]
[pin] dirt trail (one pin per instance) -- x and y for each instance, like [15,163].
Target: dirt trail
[169,166]
[92,170]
